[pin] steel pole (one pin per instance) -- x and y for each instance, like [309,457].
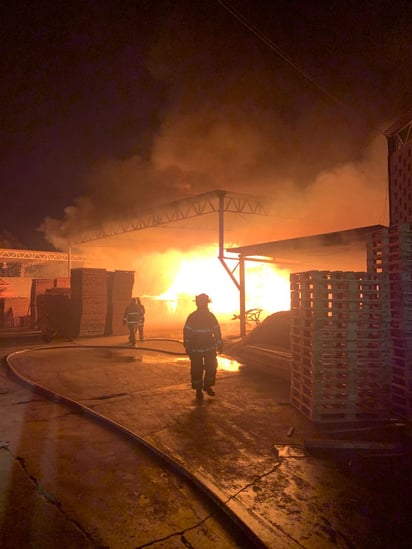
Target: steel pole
[242,296]
[69,261]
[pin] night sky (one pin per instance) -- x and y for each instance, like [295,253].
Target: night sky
[111,107]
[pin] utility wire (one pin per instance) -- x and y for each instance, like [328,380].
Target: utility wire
[242,19]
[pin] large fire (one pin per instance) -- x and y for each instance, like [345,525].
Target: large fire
[200,271]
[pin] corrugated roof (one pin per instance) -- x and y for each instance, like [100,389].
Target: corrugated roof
[305,244]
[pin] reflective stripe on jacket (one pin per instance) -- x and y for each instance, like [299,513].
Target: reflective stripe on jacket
[201,332]
[134,314]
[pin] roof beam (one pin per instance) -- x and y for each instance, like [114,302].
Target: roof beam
[202,204]
[16,256]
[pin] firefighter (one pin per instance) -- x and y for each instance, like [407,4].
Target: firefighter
[134,318]
[202,339]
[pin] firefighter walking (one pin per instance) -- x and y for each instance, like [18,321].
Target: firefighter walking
[202,339]
[134,318]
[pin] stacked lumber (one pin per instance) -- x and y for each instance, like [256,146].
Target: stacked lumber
[400,283]
[38,287]
[62,282]
[89,301]
[120,288]
[340,346]
[56,312]
[14,312]
[377,248]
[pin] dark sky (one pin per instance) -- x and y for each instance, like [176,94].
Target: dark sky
[108,107]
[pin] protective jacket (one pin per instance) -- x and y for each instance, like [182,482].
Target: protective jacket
[134,314]
[201,332]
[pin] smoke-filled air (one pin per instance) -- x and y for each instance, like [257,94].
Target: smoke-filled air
[233,115]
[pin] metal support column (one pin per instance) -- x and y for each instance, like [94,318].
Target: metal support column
[240,284]
[221,239]
[242,297]
[69,261]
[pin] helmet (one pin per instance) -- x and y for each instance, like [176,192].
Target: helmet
[202,299]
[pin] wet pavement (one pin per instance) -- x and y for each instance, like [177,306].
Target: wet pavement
[247,444]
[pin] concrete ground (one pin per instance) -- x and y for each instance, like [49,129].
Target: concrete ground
[248,445]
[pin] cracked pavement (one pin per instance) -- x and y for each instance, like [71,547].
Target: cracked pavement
[245,445]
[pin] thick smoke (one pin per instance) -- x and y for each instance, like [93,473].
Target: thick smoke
[192,155]
[237,117]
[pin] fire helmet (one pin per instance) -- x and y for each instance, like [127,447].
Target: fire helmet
[202,299]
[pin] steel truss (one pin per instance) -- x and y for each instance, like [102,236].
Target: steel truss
[187,208]
[402,136]
[15,256]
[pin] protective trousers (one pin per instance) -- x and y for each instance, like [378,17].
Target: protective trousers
[203,369]
[132,332]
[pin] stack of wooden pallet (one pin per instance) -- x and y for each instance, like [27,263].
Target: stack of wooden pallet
[56,317]
[14,312]
[400,281]
[377,252]
[38,287]
[89,301]
[340,346]
[61,282]
[120,288]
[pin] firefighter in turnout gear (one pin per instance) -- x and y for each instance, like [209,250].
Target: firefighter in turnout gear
[134,318]
[202,339]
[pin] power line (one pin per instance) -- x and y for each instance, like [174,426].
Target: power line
[253,29]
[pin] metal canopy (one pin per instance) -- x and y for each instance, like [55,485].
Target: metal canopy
[195,206]
[292,247]
[32,256]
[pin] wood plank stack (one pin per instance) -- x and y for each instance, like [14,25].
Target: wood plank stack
[340,346]
[14,312]
[56,317]
[390,252]
[377,252]
[38,287]
[89,301]
[62,282]
[400,283]
[120,288]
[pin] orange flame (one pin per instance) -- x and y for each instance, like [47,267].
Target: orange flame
[200,271]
